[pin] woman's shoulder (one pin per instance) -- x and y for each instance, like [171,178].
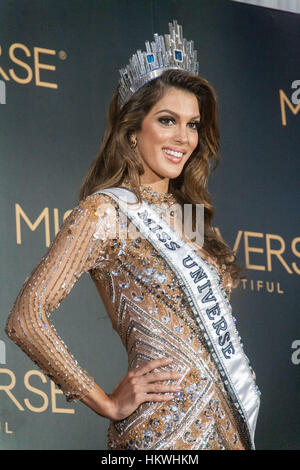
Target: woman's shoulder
[96,215]
[97,205]
[96,200]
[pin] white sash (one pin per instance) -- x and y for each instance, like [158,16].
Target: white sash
[207,298]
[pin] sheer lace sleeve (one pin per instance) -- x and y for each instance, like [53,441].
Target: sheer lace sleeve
[75,250]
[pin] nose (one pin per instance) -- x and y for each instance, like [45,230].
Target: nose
[181,134]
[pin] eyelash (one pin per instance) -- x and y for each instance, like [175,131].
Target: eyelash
[171,119]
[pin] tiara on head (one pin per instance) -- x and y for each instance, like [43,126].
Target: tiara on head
[169,52]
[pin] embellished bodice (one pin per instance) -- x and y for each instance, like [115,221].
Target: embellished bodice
[147,308]
[155,197]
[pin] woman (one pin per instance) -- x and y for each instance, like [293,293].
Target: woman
[178,393]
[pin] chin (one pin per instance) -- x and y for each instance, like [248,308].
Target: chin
[171,172]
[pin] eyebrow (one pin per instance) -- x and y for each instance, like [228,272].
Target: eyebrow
[172,112]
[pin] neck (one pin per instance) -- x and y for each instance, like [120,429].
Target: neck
[161,186]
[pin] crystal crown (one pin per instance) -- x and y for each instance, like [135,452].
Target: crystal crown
[170,51]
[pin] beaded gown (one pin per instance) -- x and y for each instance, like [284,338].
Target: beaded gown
[149,311]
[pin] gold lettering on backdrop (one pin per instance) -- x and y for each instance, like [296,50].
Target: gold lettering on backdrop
[278,288]
[55,391]
[44,215]
[66,214]
[252,249]
[259,285]
[52,397]
[29,387]
[56,221]
[4,75]
[270,286]
[296,253]
[237,241]
[276,252]
[38,66]
[20,63]
[6,430]
[284,99]
[14,50]
[7,388]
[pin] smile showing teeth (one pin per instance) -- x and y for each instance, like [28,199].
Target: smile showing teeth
[174,154]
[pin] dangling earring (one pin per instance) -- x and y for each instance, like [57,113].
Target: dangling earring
[133,141]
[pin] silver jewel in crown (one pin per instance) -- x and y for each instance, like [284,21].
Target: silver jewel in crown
[170,51]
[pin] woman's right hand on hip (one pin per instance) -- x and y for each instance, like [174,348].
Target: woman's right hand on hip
[139,386]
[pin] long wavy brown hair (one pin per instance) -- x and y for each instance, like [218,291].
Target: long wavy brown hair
[116,161]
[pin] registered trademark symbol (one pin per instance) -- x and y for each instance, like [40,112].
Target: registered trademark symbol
[62,55]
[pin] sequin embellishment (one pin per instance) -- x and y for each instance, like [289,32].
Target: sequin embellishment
[150,313]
